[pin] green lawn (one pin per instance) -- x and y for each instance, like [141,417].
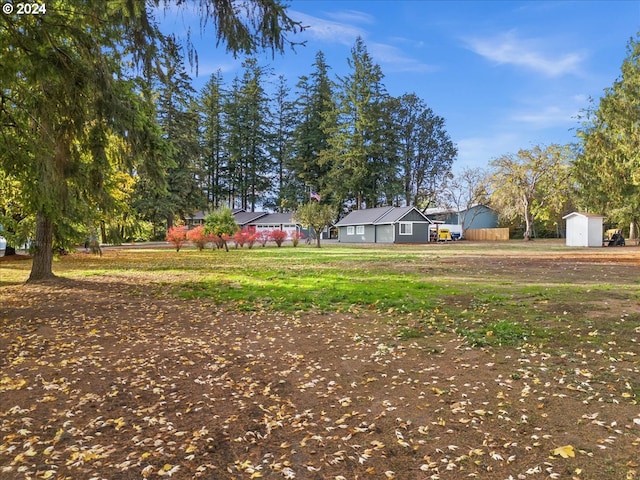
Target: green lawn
[489,293]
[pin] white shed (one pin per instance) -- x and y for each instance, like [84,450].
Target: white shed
[584,229]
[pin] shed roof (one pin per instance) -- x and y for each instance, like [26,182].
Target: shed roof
[199,215]
[579,214]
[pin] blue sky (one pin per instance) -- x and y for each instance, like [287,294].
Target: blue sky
[504,75]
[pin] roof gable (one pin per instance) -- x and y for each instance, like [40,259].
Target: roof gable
[400,213]
[366,216]
[585,215]
[243,218]
[379,216]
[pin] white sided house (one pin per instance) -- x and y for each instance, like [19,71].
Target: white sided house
[255,221]
[584,229]
[384,225]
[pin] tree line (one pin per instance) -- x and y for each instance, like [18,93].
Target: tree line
[253,142]
[244,145]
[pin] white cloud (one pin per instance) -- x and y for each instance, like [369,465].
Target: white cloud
[508,49]
[345,31]
[394,59]
[327,30]
[408,41]
[349,16]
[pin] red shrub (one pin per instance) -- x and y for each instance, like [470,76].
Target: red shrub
[241,237]
[177,236]
[198,237]
[251,239]
[262,237]
[278,236]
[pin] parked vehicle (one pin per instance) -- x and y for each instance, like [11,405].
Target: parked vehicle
[444,235]
[614,238]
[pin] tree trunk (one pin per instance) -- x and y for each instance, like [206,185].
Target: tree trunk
[527,229]
[103,231]
[527,220]
[42,267]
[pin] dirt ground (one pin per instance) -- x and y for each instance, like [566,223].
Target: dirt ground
[99,380]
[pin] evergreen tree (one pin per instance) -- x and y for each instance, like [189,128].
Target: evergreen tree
[385,158]
[608,163]
[281,145]
[213,130]
[354,150]
[178,121]
[246,111]
[427,153]
[315,108]
[65,96]
[64,91]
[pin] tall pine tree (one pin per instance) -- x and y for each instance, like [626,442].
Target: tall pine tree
[283,122]
[249,163]
[316,112]
[608,163]
[354,149]
[213,163]
[178,121]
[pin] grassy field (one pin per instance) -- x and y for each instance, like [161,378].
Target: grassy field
[489,293]
[439,362]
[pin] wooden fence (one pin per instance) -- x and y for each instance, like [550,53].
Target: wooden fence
[487,234]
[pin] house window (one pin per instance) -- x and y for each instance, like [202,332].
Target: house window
[350,230]
[406,228]
[360,230]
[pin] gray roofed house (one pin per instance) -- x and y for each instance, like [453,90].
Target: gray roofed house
[384,225]
[274,221]
[196,219]
[255,221]
[263,221]
[246,218]
[242,218]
